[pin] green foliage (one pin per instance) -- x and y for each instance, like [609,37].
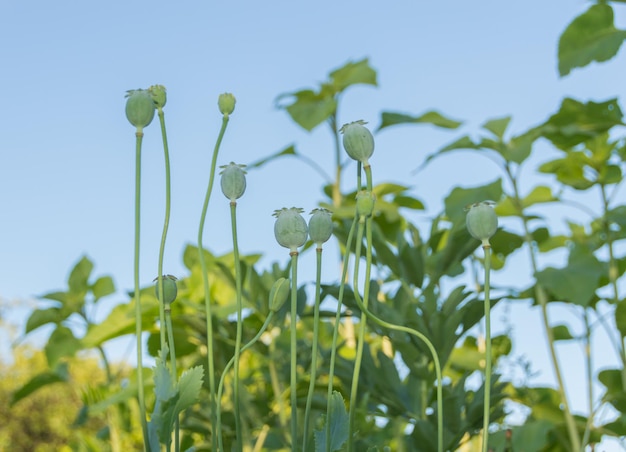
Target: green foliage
[338,417]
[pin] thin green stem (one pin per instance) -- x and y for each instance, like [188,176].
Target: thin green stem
[166,221]
[170,336]
[363,323]
[138,325]
[233,221]
[589,375]
[205,282]
[313,373]
[488,357]
[294,350]
[336,192]
[333,353]
[542,298]
[220,387]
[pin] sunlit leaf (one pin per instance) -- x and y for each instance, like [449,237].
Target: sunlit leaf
[310,109]
[79,277]
[539,194]
[353,73]
[59,375]
[592,36]
[102,287]
[40,317]
[61,343]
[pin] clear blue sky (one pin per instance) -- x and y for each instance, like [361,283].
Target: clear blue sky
[66,178]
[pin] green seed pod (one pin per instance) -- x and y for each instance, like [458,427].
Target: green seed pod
[320,226]
[279,294]
[159,96]
[290,228]
[169,289]
[482,221]
[358,141]
[139,108]
[365,201]
[226,103]
[233,181]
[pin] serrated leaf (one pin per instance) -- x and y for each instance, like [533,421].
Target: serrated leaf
[389,119]
[339,426]
[592,36]
[189,386]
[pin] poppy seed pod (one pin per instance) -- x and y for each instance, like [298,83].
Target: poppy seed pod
[482,221]
[320,226]
[170,289]
[233,181]
[290,228]
[226,103]
[278,294]
[358,141]
[139,108]
[159,96]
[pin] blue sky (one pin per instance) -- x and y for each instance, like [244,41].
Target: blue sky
[66,179]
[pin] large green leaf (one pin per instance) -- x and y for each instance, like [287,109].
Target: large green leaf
[310,109]
[459,198]
[576,122]
[40,317]
[102,287]
[339,426]
[389,118]
[577,281]
[61,343]
[359,72]
[592,36]
[78,281]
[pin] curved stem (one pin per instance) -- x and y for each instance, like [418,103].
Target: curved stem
[294,350]
[205,282]
[333,348]
[233,220]
[487,399]
[137,295]
[220,387]
[313,373]
[166,221]
[363,323]
[542,298]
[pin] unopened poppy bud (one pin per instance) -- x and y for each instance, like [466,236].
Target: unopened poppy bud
[278,294]
[358,141]
[139,108]
[159,96]
[226,103]
[320,226]
[290,228]
[170,290]
[233,181]
[482,221]
[365,201]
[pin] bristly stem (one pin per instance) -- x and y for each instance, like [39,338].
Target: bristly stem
[238,283]
[313,373]
[205,282]
[294,350]
[138,325]
[488,358]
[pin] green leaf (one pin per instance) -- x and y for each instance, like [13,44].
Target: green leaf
[620,317]
[561,333]
[189,386]
[409,202]
[533,435]
[352,74]
[539,194]
[432,117]
[102,287]
[61,343]
[592,36]
[570,170]
[576,122]
[310,109]
[615,395]
[497,126]
[289,150]
[60,375]
[459,198]
[339,426]
[41,317]
[78,281]
[577,282]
